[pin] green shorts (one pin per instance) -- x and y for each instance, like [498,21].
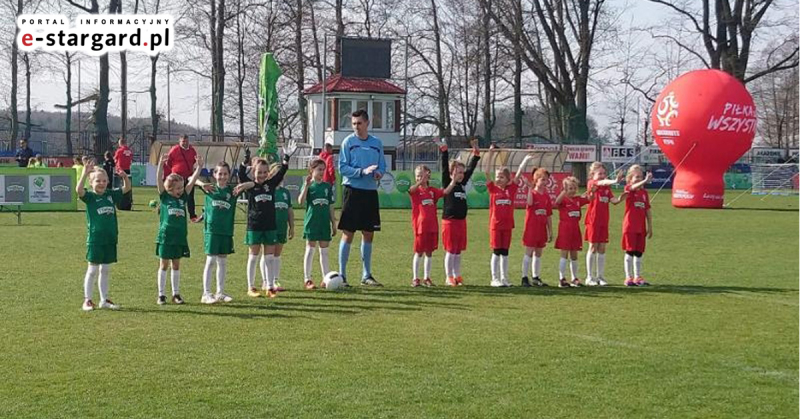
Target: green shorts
[101,254]
[172,251]
[320,235]
[270,237]
[218,244]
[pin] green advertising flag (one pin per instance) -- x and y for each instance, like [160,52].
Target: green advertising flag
[268,75]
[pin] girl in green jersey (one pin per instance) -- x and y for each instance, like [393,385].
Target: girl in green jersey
[101,223]
[219,213]
[320,220]
[171,242]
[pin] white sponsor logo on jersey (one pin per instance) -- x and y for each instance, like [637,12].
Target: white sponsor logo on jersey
[504,201]
[320,201]
[460,195]
[574,214]
[281,206]
[604,199]
[540,212]
[105,210]
[427,202]
[177,212]
[638,204]
[263,197]
[221,204]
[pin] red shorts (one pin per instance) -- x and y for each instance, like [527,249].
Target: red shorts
[634,242]
[426,242]
[569,237]
[535,236]
[454,235]
[500,239]
[596,234]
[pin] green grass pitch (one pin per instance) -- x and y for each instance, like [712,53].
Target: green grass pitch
[716,336]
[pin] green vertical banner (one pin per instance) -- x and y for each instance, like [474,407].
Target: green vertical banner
[268,75]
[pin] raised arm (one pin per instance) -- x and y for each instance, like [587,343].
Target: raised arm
[79,187]
[639,185]
[560,197]
[126,180]
[473,162]
[450,187]
[445,160]
[521,169]
[304,193]
[416,186]
[243,187]
[197,167]
[160,173]
[489,163]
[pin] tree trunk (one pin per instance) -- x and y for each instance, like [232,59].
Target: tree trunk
[101,109]
[219,75]
[337,55]
[298,45]
[68,122]
[14,83]
[153,109]
[317,60]
[444,109]
[27,60]
[240,68]
[488,123]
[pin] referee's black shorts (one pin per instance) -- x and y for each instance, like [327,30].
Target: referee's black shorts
[360,210]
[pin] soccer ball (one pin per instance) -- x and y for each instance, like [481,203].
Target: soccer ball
[332,280]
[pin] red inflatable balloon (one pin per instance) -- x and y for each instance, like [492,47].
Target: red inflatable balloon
[703,121]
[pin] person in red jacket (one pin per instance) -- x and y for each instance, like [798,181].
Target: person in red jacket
[123,156]
[180,160]
[330,171]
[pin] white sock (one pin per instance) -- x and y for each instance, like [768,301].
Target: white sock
[504,268]
[324,261]
[457,265]
[495,267]
[415,265]
[573,267]
[222,270]
[88,281]
[210,260]
[601,265]
[105,274]
[308,259]
[276,268]
[427,266]
[526,265]
[175,279]
[264,270]
[637,267]
[537,265]
[590,264]
[628,266]
[449,261]
[269,267]
[562,268]
[162,281]
[252,260]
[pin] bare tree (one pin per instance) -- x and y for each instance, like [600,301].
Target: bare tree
[727,35]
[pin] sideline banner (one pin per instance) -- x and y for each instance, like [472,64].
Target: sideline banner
[45,189]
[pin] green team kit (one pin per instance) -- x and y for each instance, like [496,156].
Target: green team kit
[317,223]
[101,225]
[171,242]
[220,211]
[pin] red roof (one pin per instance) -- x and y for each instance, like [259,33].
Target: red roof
[338,84]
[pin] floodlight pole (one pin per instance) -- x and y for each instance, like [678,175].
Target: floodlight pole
[324,90]
[405,106]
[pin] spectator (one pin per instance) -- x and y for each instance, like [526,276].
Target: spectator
[109,165]
[181,158]
[77,165]
[123,156]
[24,153]
[36,162]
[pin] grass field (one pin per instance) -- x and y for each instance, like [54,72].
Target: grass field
[716,336]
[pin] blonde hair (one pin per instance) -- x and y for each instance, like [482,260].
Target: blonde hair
[172,179]
[503,170]
[633,169]
[423,168]
[595,167]
[569,180]
[95,171]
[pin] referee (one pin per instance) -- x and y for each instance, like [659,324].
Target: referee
[362,165]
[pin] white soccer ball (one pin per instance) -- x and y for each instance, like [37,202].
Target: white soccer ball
[332,280]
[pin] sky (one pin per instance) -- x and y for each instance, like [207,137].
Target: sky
[187,90]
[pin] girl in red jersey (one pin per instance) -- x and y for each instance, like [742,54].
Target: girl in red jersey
[569,230]
[597,222]
[538,227]
[637,226]
[501,216]
[425,221]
